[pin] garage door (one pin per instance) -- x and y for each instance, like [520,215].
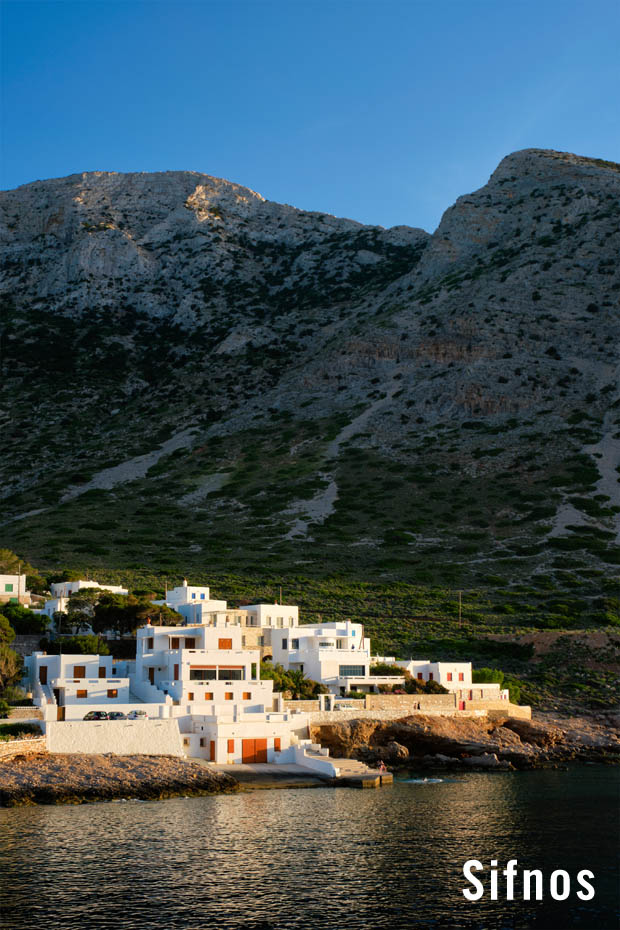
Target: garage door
[254,750]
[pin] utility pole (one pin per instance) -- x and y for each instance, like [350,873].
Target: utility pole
[280,595]
[460,608]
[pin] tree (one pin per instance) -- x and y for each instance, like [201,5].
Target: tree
[7,633]
[24,621]
[77,645]
[123,613]
[12,564]
[10,667]
[385,668]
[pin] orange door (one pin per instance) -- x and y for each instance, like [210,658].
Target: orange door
[212,750]
[261,750]
[277,744]
[248,750]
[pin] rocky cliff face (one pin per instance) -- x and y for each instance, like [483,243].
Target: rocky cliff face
[194,374]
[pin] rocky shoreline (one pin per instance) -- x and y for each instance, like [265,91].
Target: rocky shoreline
[41,778]
[502,744]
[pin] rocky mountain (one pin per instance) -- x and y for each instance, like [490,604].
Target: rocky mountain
[193,375]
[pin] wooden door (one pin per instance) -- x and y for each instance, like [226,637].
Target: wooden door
[79,671]
[43,674]
[102,672]
[152,676]
[277,744]
[248,750]
[261,750]
[212,750]
[176,673]
[60,713]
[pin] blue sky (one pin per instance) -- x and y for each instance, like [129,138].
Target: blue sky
[383,111]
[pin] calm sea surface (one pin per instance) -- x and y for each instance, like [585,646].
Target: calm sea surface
[320,858]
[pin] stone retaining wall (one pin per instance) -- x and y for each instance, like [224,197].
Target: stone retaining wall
[15,747]
[407,703]
[25,713]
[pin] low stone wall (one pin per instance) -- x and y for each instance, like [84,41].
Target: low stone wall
[340,716]
[25,645]
[497,709]
[25,713]
[15,747]
[302,706]
[120,737]
[407,703]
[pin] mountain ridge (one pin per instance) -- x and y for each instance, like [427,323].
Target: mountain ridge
[302,385]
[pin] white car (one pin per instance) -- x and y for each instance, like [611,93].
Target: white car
[137,715]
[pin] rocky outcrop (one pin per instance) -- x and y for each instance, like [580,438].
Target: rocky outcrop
[480,743]
[76,779]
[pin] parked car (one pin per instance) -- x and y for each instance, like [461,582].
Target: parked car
[117,715]
[97,715]
[137,715]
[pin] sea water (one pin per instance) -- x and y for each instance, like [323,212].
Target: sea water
[319,858]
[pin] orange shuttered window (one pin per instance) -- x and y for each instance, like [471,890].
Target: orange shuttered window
[224,644]
[277,744]
[79,671]
[228,695]
[112,692]
[81,694]
[231,745]
[247,695]
[208,695]
[190,696]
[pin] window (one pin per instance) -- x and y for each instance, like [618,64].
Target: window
[228,695]
[420,676]
[190,695]
[208,695]
[190,642]
[285,643]
[203,741]
[430,676]
[112,692]
[253,672]
[81,694]
[347,671]
[353,632]
[461,676]
[231,745]
[79,671]
[247,695]
[193,597]
[449,676]
[174,642]
[294,644]
[202,597]
[185,741]
[8,587]
[224,644]
[149,643]
[230,674]
[202,674]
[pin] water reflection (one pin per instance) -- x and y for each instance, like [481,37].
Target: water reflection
[320,858]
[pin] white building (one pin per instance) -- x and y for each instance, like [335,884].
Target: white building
[454,676]
[199,675]
[76,683]
[13,589]
[198,596]
[62,590]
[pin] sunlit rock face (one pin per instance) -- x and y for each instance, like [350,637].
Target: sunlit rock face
[143,307]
